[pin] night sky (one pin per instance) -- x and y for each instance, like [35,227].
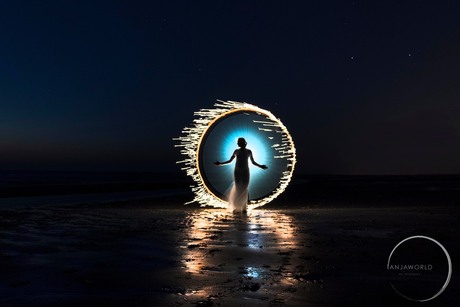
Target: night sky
[364,87]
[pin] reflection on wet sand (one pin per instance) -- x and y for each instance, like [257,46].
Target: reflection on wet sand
[247,251]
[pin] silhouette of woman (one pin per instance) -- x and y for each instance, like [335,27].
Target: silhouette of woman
[238,196]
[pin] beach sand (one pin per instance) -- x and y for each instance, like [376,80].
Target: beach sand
[148,253]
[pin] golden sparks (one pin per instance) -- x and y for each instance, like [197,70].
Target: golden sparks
[192,137]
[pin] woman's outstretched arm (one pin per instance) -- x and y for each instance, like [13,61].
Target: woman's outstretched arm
[226,162]
[255,163]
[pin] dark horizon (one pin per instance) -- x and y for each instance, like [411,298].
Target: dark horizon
[172,190]
[181,173]
[17,183]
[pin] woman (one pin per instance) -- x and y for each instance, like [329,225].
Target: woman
[238,196]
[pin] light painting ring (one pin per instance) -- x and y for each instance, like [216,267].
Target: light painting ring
[193,137]
[209,126]
[205,132]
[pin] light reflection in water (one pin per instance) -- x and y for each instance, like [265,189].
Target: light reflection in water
[219,242]
[253,272]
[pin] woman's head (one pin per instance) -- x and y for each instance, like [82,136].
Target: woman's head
[242,142]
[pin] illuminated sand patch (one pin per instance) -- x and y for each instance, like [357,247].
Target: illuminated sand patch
[272,132]
[216,237]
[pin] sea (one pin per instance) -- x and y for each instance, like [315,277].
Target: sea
[20,189]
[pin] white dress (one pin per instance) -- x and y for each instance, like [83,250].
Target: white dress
[238,195]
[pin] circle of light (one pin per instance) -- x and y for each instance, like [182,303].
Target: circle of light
[220,141]
[192,137]
[449,264]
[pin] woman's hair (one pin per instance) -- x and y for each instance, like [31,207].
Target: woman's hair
[242,142]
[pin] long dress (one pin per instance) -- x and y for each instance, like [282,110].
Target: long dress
[238,195]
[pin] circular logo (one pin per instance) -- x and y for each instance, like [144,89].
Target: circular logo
[420,268]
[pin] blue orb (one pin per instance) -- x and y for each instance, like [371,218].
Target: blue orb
[219,143]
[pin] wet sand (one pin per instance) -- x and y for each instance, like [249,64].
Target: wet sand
[146,254]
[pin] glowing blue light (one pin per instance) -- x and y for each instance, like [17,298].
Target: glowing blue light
[253,272]
[259,147]
[201,143]
[220,144]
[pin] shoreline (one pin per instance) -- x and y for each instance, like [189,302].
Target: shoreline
[313,191]
[134,252]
